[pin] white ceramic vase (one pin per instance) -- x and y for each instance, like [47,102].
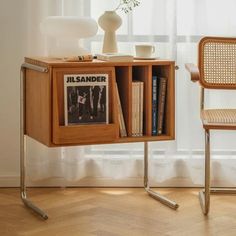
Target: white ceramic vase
[110,21]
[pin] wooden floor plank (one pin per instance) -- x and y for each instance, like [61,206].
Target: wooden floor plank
[115,212]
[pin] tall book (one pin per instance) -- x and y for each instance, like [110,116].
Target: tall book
[141,109]
[123,132]
[135,97]
[161,104]
[154,105]
[137,108]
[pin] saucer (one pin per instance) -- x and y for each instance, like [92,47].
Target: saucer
[146,58]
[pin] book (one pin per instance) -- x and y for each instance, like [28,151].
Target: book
[141,108]
[161,104]
[137,108]
[123,132]
[133,117]
[114,57]
[86,98]
[85,58]
[154,105]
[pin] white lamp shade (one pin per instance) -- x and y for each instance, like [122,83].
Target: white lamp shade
[63,34]
[69,27]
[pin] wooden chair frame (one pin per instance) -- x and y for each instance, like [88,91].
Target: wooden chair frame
[206,79]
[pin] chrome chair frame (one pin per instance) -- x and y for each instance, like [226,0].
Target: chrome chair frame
[215,57]
[204,195]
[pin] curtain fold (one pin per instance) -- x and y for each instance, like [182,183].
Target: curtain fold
[174,27]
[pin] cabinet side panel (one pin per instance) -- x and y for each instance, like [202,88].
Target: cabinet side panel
[171,101]
[38,106]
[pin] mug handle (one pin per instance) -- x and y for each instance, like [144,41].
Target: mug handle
[153,49]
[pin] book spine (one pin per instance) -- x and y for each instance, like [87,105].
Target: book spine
[66,108]
[133,109]
[141,109]
[154,105]
[137,109]
[161,104]
[124,132]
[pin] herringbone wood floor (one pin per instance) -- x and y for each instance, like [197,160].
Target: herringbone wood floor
[115,212]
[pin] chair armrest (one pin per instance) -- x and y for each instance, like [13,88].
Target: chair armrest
[194,71]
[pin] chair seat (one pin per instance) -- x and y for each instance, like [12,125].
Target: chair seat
[219,117]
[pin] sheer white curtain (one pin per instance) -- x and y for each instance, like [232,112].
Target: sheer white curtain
[174,27]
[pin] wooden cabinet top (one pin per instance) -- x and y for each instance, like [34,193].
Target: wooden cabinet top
[54,62]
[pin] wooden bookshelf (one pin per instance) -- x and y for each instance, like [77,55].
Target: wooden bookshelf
[44,101]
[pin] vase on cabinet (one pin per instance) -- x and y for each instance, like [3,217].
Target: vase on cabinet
[110,21]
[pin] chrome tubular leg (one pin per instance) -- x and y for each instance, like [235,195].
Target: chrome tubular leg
[23,151]
[204,195]
[223,190]
[152,193]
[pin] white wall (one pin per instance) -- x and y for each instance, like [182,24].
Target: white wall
[12,48]
[19,37]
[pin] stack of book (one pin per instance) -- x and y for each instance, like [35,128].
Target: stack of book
[137,108]
[158,104]
[159,85]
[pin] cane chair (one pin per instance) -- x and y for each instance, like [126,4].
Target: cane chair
[216,70]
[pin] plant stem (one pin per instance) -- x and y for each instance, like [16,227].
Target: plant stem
[126,4]
[118,6]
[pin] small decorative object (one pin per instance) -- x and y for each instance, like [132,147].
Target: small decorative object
[85,58]
[110,21]
[64,32]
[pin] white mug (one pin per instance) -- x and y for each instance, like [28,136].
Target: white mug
[144,50]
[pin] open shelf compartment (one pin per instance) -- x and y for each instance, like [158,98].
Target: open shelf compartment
[125,75]
[167,71]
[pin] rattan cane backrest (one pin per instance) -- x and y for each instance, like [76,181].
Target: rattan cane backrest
[217,62]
